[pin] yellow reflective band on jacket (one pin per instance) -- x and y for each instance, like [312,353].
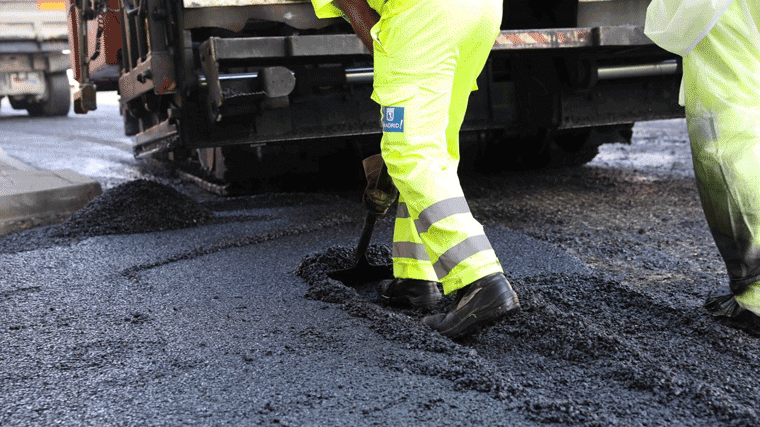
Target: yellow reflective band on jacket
[425,75]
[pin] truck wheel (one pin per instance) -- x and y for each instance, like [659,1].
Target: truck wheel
[511,153]
[17,103]
[235,166]
[549,149]
[58,101]
[578,147]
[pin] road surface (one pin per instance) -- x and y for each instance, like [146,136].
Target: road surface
[232,321]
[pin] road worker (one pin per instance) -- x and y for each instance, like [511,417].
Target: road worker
[427,56]
[719,41]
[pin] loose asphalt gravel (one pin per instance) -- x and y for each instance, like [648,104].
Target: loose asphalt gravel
[230,319]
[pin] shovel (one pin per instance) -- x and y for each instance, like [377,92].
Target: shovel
[363,271]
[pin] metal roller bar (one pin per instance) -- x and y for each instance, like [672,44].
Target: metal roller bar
[353,76]
[366,75]
[627,71]
[359,75]
[279,47]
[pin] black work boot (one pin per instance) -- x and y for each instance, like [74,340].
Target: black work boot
[420,294]
[478,304]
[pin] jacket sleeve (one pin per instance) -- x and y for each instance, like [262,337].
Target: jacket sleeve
[678,25]
[326,9]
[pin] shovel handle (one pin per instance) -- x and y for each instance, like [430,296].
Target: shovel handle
[369,225]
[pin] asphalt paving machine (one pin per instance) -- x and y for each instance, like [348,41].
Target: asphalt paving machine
[247,89]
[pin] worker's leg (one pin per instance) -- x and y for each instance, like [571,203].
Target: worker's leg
[415,282]
[410,258]
[727,169]
[722,88]
[416,74]
[473,50]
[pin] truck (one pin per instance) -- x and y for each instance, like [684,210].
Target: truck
[34,57]
[244,90]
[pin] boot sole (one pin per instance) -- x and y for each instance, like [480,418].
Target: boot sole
[485,317]
[422,303]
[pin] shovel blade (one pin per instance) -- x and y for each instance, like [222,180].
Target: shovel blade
[362,272]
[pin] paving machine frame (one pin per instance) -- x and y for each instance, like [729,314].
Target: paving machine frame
[224,82]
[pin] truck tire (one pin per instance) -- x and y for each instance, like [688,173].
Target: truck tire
[234,166]
[58,102]
[17,103]
[549,150]
[578,147]
[284,168]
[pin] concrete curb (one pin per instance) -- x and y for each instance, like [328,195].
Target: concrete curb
[30,197]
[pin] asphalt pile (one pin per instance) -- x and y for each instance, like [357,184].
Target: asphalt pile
[139,206]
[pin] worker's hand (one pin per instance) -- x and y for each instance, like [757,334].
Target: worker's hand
[380,192]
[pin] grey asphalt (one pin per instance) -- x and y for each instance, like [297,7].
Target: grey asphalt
[210,326]
[30,197]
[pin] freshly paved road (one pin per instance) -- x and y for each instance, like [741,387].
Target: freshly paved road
[211,325]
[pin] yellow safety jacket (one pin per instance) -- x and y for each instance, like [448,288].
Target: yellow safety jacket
[678,25]
[326,8]
[719,41]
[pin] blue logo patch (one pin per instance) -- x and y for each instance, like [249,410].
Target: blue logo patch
[393,119]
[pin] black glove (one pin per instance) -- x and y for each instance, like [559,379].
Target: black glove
[380,192]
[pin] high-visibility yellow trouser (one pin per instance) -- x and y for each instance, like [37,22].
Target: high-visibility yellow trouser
[722,94]
[427,59]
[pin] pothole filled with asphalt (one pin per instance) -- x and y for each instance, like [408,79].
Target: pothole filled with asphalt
[577,337]
[461,364]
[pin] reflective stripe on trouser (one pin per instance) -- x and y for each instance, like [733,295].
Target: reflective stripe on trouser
[423,79]
[722,93]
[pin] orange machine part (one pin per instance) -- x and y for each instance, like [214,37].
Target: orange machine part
[59,5]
